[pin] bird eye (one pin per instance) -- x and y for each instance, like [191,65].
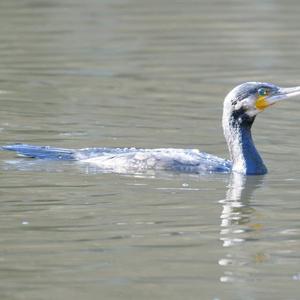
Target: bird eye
[263,92]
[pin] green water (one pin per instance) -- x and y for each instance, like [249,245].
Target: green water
[146,74]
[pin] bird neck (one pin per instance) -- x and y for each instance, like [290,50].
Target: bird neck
[245,158]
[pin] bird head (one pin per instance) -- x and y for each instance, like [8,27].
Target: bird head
[245,101]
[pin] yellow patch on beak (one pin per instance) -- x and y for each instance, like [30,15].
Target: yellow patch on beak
[261,103]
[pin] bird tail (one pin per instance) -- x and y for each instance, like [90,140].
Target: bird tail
[41,152]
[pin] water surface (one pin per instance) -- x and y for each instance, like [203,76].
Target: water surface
[146,74]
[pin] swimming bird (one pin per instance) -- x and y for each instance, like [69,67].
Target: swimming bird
[241,106]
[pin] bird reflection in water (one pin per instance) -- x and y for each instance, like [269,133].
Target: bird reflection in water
[238,225]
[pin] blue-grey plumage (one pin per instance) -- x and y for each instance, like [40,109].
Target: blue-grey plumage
[241,106]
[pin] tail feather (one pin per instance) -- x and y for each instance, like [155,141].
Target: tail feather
[41,152]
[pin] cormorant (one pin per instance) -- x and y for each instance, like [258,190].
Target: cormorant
[241,106]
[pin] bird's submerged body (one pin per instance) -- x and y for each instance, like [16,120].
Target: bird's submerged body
[241,106]
[123,160]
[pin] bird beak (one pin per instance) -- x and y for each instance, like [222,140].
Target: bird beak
[281,94]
